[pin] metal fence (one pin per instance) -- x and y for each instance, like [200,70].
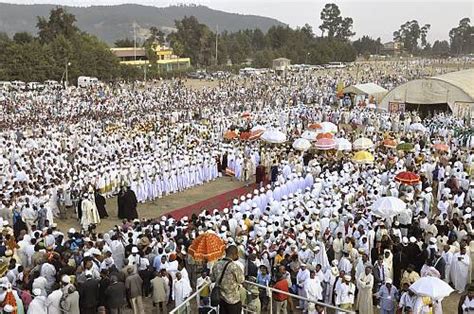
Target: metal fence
[192,303]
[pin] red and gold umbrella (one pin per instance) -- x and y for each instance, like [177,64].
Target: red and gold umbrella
[407,177]
[207,247]
[244,135]
[441,147]
[246,115]
[389,143]
[230,135]
[324,135]
[325,144]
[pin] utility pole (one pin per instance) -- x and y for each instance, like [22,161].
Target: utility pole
[134,41]
[217,36]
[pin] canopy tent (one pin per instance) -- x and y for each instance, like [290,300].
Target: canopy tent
[367,89]
[449,92]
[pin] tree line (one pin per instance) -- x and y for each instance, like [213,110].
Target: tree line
[59,42]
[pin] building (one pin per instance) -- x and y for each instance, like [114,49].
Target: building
[452,92]
[165,59]
[281,64]
[392,48]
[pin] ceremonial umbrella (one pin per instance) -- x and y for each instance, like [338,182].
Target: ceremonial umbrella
[246,115]
[207,247]
[258,128]
[441,147]
[362,143]
[273,136]
[363,157]
[324,135]
[407,177]
[328,127]
[432,287]
[406,147]
[230,135]
[302,144]
[314,126]
[417,127]
[244,135]
[343,144]
[388,206]
[309,135]
[325,144]
[389,143]
[255,134]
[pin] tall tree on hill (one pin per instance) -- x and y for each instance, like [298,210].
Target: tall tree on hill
[462,37]
[60,22]
[334,25]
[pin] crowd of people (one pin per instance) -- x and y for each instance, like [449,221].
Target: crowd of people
[308,228]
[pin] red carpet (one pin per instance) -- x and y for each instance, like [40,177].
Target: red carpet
[219,201]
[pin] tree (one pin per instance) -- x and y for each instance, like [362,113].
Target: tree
[334,24]
[409,34]
[156,37]
[440,48]
[124,43]
[331,18]
[367,46]
[423,32]
[60,22]
[462,37]
[23,38]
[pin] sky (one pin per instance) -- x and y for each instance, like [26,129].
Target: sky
[374,18]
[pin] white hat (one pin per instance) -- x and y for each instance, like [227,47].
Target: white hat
[433,240]
[66,279]
[388,280]
[412,239]
[347,277]
[134,249]
[405,240]
[37,291]
[72,230]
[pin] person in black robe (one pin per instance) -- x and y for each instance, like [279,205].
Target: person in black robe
[100,204]
[127,205]
[121,203]
[224,162]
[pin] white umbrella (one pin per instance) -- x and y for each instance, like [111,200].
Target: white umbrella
[273,136]
[417,127]
[328,127]
[309,135]
[388,206]
[432,287]
[372,106]
[258,128]
[302,144]
[363,143]
[343,144]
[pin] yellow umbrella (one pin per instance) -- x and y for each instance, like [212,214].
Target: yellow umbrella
[363,157]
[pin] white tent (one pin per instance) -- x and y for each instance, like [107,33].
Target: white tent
[453,90]
[367,89]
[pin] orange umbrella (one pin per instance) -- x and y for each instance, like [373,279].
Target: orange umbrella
[389,143]
[230,135]
[441,147]
[244,135]
[246,115]
[315,126]
[207,247]
[324,135]
[255,135]
[407,177]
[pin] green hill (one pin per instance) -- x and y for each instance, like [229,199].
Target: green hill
[116,22]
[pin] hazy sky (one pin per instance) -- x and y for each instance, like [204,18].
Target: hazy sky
[375,18]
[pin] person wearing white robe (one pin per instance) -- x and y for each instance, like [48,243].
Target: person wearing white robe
[301,277]
[181,289]
[314,291]
[90,215]
[365,283]
[460,267]
[38,304]
[53,302]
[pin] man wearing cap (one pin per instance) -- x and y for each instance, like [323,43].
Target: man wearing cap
[460,267]
[345,294]
[301,277]
[38,305]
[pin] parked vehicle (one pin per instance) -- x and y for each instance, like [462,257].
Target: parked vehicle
[87,81]
[19,85]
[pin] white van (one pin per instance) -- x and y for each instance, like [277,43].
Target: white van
[19,85]
[5,85]
[87,81]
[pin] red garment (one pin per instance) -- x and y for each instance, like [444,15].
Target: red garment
[281,285]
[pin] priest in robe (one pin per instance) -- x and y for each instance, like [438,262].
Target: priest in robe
[100,203]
